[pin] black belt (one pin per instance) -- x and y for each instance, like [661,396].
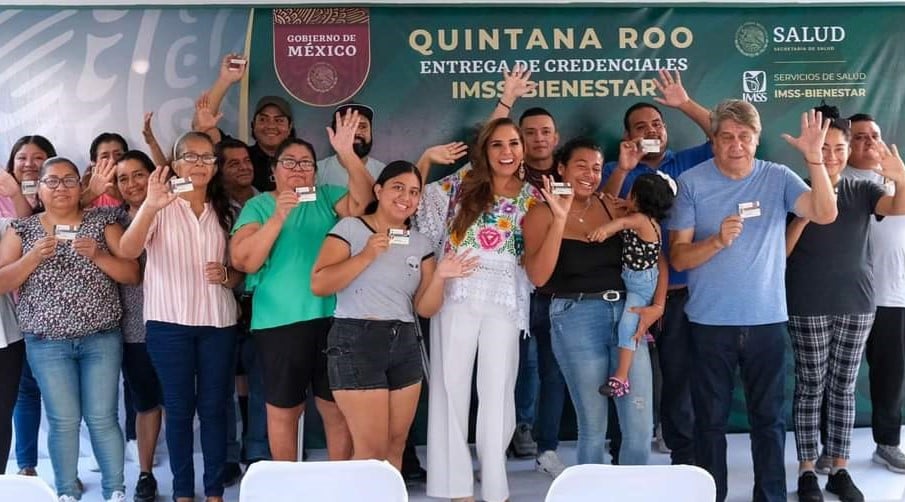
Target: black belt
[673,293]
[610,295]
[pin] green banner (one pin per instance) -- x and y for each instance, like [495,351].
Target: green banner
[433,73]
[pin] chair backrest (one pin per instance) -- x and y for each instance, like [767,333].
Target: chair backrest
[346,481]
[638,483]
[28,488]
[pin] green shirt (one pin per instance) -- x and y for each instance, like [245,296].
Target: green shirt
[282,286]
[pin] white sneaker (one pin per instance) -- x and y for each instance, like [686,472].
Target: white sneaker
[549,462]
[68,498]
[131,451]
[117,496]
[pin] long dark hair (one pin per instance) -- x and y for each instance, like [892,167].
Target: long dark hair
[476,191]
[393,169]
[215,192]
[39,141]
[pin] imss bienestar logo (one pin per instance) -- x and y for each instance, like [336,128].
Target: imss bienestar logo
[754,86]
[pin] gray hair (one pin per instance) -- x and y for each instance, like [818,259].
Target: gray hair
[54,161]
[735,109]
[179,146]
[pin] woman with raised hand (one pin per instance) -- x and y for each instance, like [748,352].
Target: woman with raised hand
[830,297]
[66,262]
[479,210]
[190,312]
[25,159]
[379,270]
[276,241]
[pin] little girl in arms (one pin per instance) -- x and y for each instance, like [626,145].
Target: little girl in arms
[651,198]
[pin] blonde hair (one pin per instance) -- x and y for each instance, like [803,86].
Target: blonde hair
[735,109]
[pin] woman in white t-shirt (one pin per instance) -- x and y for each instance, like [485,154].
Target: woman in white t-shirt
[379,269]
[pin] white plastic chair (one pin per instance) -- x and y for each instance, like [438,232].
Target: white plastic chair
[341,481]
[32,489]
[638,483]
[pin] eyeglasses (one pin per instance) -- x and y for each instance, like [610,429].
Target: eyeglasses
[193,158]
[296,165]
[52,182]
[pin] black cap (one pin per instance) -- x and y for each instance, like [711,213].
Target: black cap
[363,110]
[276,101]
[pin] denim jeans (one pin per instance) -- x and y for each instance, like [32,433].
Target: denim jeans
[760,352]
[639,291]
[255,440]
[526,383]
[195,365]
[552,390]
[676,363]
[584,341]
[27,418]
[79,378]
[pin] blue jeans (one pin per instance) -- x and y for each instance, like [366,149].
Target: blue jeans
[195,365]
[584,341]
[552,395]
[760,352]
[639,291]
[27,418]
[255,440]
[80,379]
[526,383]
[676,363]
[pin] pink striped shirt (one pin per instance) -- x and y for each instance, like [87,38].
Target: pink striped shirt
[178,246]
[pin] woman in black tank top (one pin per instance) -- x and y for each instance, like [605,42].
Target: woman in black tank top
[583,281]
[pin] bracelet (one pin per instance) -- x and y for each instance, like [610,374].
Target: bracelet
[813,163]
[225,275]
[500,102]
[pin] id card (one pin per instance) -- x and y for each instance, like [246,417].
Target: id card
[749,209]
[399,236]
[236,64]
[650,145]
[306,194]
[65,232]
[561,188]
[181,185]
[29,187]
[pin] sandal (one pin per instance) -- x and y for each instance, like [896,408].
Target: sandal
[614,387]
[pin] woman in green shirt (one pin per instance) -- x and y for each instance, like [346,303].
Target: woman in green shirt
[276,241]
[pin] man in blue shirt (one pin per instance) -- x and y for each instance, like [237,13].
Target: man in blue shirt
[728,230]
[643,121]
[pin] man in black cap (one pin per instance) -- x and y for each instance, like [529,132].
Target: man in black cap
[329,170]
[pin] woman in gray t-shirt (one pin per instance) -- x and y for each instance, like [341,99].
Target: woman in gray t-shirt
[382,273]
[829,291]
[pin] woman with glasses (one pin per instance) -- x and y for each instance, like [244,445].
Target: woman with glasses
[66,263]
[190,311]
[277,239]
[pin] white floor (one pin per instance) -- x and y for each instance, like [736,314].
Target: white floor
[877,483]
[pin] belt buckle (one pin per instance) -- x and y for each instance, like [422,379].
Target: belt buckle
[612,295]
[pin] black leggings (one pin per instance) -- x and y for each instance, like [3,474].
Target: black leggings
[11,359]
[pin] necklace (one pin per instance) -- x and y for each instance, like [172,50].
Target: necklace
[583,211]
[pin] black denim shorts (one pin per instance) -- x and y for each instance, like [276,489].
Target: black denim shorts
[369,354]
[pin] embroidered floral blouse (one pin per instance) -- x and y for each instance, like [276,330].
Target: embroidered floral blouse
[495,237]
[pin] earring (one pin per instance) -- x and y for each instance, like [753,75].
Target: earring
[521,170]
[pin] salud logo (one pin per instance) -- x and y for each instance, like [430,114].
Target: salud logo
[751,39]
[322,56]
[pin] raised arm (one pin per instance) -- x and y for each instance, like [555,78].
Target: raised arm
[891,168]
[444,155]
[515,85]
[100,179]
[360,181]
[159,196]
[543,230]
[157,155]
[819,203]
[251,244]
[229,75]
[10,188]
[206,118]
[675,96]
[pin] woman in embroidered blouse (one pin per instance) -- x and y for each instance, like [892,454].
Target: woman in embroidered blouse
[190,311]
[69,313]
[481,210]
